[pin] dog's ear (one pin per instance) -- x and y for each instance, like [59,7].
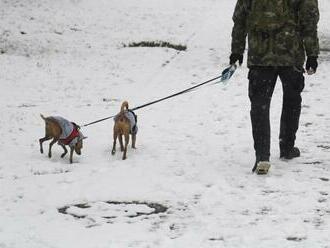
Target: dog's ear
[76,125]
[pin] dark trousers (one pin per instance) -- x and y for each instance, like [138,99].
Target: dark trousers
[261,86]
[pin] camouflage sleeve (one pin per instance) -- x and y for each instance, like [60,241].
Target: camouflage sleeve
[239,31]
[309,17]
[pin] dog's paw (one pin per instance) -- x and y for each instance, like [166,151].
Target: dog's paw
[63,155]
[113,152]
[49,155]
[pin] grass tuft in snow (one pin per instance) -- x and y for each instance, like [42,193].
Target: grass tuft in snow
[178,47]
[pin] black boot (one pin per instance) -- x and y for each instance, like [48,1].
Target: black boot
[290,154]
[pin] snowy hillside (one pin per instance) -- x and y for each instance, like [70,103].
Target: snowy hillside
[189,182]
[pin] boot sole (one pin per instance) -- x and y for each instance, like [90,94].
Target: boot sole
[262,167]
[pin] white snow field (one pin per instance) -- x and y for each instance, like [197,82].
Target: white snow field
[189,182]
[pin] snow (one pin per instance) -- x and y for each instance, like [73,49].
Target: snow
[194,152]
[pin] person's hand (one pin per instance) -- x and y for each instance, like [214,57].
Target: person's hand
[311,65]
[234,57]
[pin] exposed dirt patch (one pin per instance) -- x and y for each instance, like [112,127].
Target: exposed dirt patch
[296,239]
[324,146]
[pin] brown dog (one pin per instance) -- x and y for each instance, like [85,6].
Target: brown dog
[125,124]
[63,132]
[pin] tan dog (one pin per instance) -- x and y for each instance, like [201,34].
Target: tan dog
[125,124]
[63,132]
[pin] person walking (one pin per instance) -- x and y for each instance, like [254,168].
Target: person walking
[280,33]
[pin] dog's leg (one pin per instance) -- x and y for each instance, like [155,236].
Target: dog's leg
[133,141]
[126,144]
[65,151]
[120,137]
[114,143]
[50,147]
[71,154]
[42,140]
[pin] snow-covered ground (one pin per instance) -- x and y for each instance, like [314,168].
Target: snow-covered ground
[194,152]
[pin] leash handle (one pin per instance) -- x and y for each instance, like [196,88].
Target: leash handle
[226,74]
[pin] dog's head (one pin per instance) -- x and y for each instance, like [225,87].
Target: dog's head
[79,144]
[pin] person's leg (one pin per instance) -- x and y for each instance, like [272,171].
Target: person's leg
[292,83]
[261,86]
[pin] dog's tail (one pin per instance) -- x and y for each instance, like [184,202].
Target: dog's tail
[43,117]
[123,106]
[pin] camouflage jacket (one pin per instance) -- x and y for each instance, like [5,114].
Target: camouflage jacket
[286,46]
